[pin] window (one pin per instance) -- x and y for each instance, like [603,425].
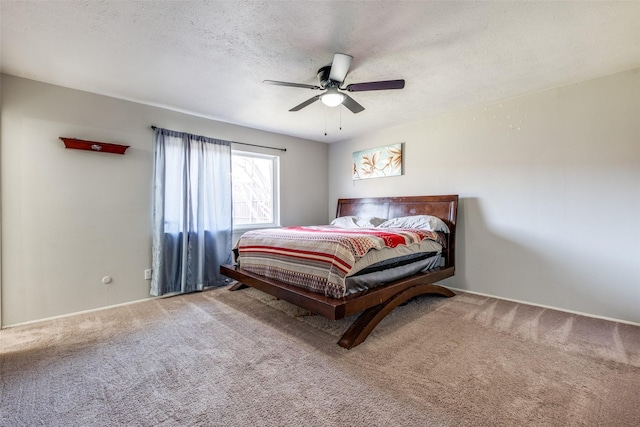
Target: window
[255,190]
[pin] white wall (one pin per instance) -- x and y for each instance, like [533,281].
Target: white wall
[70,217]
[550,192]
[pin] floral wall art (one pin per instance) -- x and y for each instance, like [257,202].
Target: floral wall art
[378,162]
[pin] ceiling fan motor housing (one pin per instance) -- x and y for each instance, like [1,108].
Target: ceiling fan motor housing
[323,76]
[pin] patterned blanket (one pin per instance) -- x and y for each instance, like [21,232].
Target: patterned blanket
[318,258]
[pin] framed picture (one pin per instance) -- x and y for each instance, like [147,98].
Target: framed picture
[378,162]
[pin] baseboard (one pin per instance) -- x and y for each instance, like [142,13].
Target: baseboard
[610,319]
[75,313]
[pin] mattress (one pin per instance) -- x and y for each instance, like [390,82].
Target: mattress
[386,253]
[338,262]
[390,270]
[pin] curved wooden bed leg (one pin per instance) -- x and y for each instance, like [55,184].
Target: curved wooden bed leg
[369,319]
[238,286]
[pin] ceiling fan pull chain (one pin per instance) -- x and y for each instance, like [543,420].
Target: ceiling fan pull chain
[325,120]
[341,118]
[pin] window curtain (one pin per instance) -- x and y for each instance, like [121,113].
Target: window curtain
[192,220]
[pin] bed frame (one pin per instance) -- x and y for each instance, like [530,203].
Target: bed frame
[374,303]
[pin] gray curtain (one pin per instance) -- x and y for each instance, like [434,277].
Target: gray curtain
[192,219]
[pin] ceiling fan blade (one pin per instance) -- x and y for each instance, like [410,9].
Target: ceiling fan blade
[383,85]
[305,103]
[340,67]
[277,83]
[351,104]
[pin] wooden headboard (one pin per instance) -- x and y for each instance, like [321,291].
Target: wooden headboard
[444,207]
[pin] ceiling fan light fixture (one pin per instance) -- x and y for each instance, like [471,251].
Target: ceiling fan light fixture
[332,98]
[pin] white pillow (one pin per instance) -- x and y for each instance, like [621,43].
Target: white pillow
[357,222]
[369,222]
[424,222]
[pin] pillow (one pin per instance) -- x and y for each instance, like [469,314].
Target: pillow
[357,222]
[424,222]
[369,222]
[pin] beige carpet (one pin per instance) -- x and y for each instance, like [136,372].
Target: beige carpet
[244,359]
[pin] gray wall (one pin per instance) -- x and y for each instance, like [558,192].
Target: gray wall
[548,184]
[550,192]
[70,217]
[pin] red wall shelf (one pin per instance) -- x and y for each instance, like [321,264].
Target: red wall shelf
[104,147]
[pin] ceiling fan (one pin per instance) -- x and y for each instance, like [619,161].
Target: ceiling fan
[331,77]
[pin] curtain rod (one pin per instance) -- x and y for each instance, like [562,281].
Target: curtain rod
[245,143]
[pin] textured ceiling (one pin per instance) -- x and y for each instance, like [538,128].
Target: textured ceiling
[209,58]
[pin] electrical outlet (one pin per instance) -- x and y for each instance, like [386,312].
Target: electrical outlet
[147,274]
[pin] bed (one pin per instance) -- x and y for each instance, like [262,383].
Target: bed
[374,303]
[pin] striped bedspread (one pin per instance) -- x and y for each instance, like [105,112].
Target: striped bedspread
[318,258]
